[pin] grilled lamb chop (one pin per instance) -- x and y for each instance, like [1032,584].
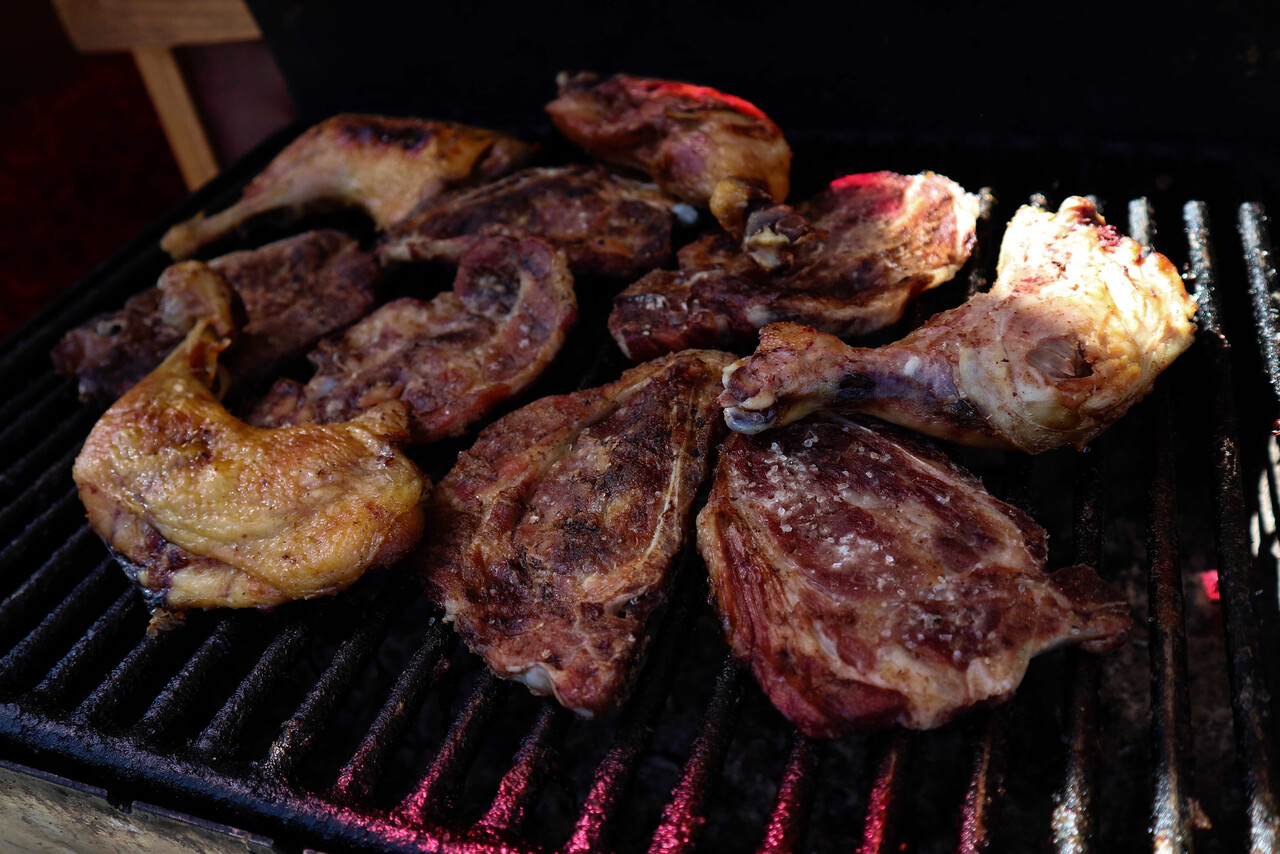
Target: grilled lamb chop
[558,529]
[607,225]
[888,238]
[292,292]
[1074,331]
[381,164]
[868,580]
[450,360]
[687,138]
[205,511]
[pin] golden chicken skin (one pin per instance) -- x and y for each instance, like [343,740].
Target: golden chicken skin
[205,511]
[381,164]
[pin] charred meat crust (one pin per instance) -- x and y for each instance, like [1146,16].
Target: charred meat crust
[607,225]
[451,359]
[290,294]
[560,525]
[868,580]
[888,237]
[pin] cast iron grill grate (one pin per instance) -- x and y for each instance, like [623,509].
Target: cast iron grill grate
[359,723]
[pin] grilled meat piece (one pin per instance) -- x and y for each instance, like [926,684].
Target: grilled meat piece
[868,580]
[295,291]
[607,225]
[292,292]
[205,511]
[558,529]
[112,352]
[450,360]
[771,232]
[381,164]
[888,238]
[1074,331]
[687,138]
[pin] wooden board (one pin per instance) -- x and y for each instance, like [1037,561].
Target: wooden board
[106,25]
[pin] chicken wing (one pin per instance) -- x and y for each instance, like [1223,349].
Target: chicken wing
[381,164]
[868,580]
[205,511]
[450,360]
[888,238]
[292,292]
[606,224]
[1074,331]
[559,527]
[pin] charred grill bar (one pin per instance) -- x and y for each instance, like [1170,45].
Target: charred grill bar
[361,724]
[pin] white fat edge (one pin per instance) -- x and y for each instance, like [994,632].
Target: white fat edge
[669,497]
[935,694]
[538,680]
[760,315]
[686,213]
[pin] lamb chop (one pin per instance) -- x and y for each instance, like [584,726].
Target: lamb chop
[607,225]
[558,529]
[450,360]
[291,292]
[1074,331]
[205,511]
[384,165]
[868,580]
[699,144]
[888,238]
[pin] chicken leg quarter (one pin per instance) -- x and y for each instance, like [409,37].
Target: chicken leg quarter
[1074,331]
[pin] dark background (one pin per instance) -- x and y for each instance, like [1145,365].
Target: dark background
[1198,73]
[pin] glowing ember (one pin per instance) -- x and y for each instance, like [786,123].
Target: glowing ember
[1209,581]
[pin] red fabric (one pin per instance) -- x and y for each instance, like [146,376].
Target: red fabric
[85,166]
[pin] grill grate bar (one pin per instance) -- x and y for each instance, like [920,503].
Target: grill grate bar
[520,786]
[686,812]
[433,802]
[790,817]
[300,732]
[1202,261]
[25,414]
[21,546]
[24,658]
[886,799]
[40,493]
[1170,697]
[986,778]
[103,705]
[28,468]
[270,669]
[86,655]
[1250,699]
[173,702]
[36,391]
[1262,286]
[978,815]
[40,584]
[1170,824]
[423,672]
[635,727]
[1074,820]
